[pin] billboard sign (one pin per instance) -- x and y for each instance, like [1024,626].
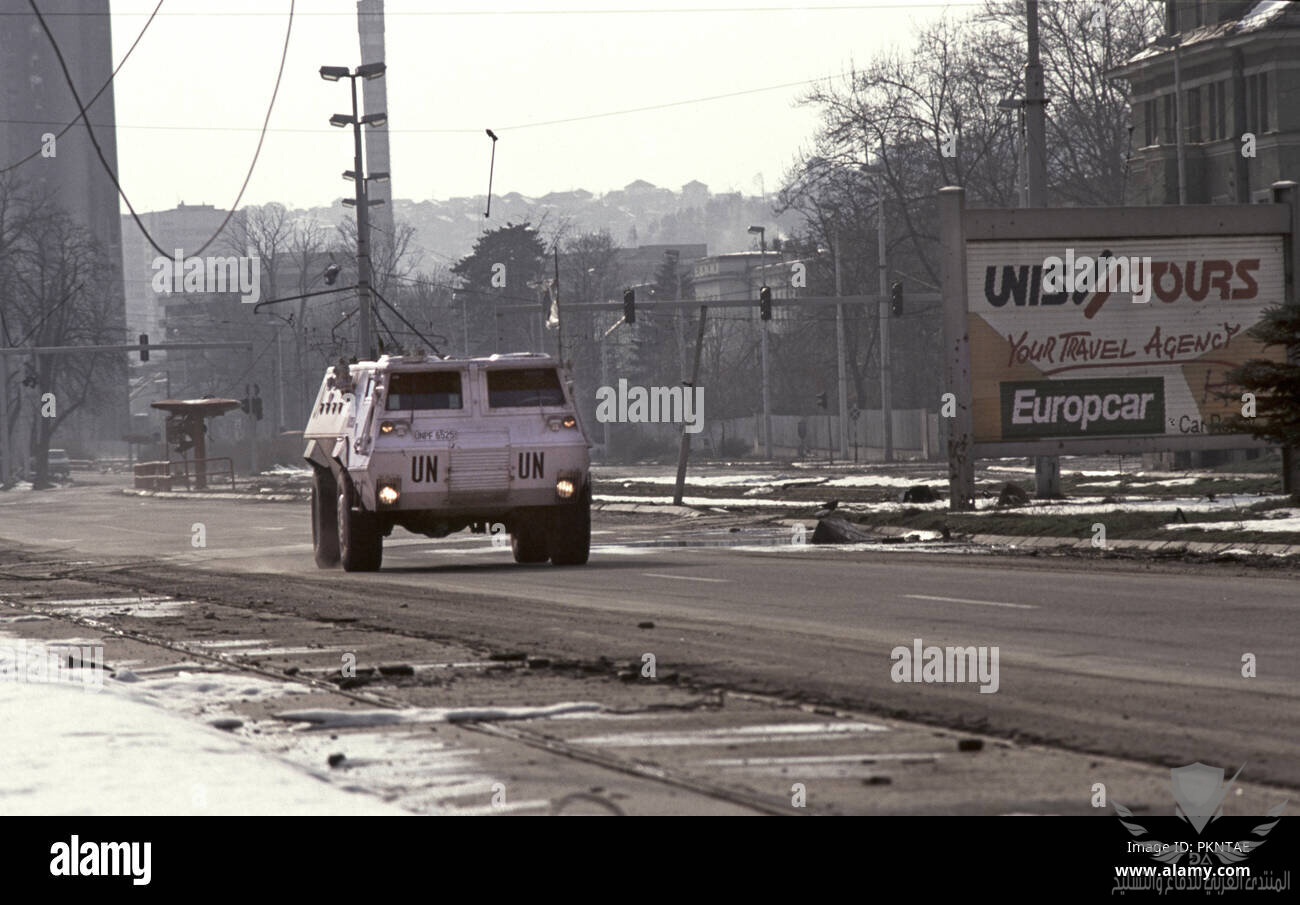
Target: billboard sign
[1123,337]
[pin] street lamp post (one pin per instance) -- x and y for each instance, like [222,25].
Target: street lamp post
[761,232]
[362,204]
[1175,42]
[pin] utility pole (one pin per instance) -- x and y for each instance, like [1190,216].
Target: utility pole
[604,381]
[5,464]
[767,399]
[882,253]
[1175,41]
[559,320]
[1047,469]
[684,450]
[280,423]
[841,365]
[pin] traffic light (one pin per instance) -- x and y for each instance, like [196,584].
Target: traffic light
[629,306]
[765,303]
[252,401]
[821,400]
[144,346]
[896,299]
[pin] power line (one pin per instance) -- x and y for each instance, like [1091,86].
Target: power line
[436,350]
[475,130]
[464,13]
[101,90]
[100,151]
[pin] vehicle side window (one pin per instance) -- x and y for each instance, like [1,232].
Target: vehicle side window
[520,387]
[421,391]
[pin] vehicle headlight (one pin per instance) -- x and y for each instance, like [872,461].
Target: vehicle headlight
[389,490]
[566,484]
[557,422]
[387,427]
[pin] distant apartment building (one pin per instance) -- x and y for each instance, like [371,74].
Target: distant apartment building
[640,265]
[740,275]
[1238,64]
[186,228]
[728,276]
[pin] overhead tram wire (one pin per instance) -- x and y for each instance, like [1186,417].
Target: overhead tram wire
[393,308]
[516,127]
[100,151]
[101,90]
[851,7]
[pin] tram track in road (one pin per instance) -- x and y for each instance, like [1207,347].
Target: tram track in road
[372,699]
[495,729]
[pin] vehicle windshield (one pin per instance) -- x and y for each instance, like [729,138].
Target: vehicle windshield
[519,387]
[423,390]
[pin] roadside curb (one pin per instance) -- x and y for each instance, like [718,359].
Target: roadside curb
[1051,543]
[217,495]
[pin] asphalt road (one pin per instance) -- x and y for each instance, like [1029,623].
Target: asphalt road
[1129,660]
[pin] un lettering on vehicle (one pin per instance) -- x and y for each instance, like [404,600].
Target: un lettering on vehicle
[531,465]
[424,469]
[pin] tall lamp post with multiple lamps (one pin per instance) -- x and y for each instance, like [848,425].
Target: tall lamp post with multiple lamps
[365,348]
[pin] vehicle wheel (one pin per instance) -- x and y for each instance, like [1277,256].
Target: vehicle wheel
[569,539]
[361,546]
[528,542]
[324,519]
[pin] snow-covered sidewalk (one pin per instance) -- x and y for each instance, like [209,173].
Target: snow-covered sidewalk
[69,749]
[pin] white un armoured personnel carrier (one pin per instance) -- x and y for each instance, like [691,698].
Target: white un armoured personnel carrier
[437,445]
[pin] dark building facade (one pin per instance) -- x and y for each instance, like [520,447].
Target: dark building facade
[35,102]
[1238,66]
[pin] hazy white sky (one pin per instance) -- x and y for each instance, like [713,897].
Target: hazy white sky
[192,97]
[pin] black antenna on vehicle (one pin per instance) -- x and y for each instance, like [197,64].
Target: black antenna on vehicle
[491,168]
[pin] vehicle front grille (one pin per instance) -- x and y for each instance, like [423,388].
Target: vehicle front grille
[479,472]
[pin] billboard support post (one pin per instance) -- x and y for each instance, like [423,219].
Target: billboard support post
[841,367]
[1288,192]
[956,340]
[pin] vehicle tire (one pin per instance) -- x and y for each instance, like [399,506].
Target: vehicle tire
[361,546]
[324,519]
[528,542]
[569,538]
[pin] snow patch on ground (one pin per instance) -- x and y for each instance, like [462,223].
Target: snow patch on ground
[348,719]
[66,752]
[1284,521]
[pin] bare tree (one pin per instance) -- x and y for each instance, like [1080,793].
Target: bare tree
[53,280]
